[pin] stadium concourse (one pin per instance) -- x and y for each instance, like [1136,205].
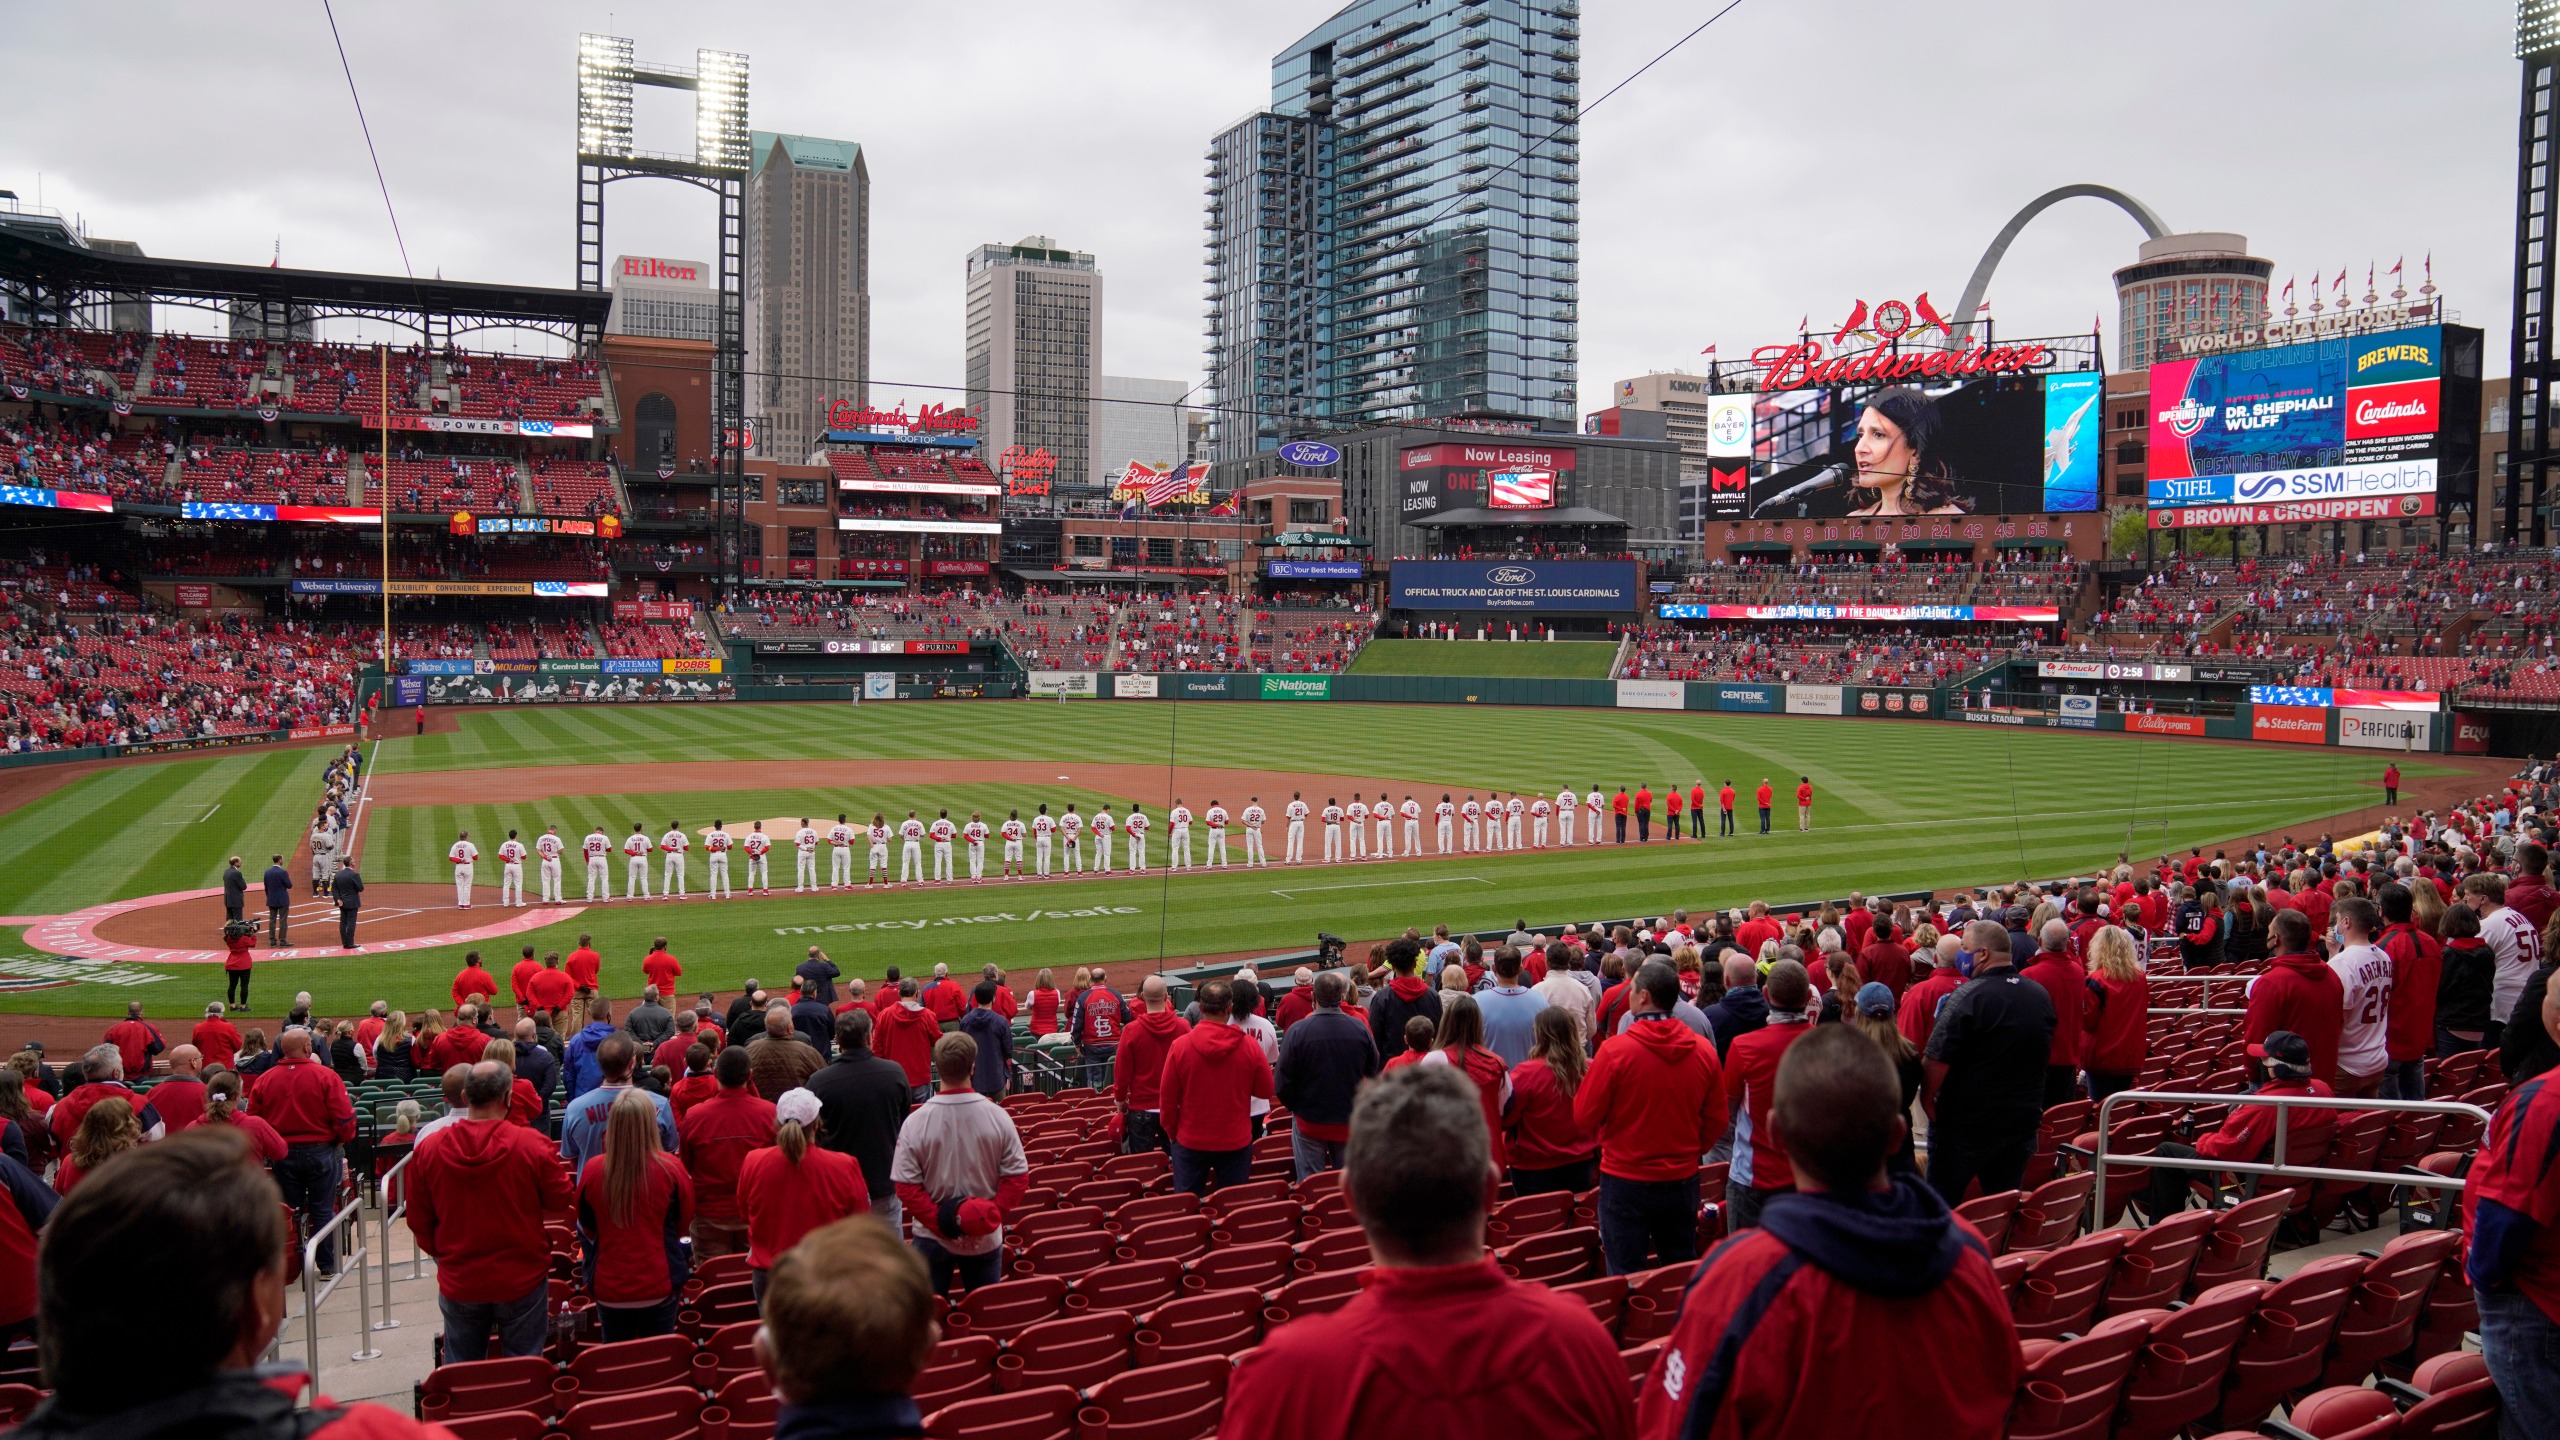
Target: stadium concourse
[1879,1122]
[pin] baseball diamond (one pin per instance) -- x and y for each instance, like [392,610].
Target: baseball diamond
[1899,806]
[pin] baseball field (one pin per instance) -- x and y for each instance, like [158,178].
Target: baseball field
[1899,806]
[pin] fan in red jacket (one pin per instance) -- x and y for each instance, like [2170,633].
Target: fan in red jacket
[478,1192]
[944,997]
[1760,1167]
[472,982]
[1439,1342]
[1655,1100]
[1045,1006]
[1144,1047]
[2067,981]
[1212,1076]
[1779,1333]
[715,1137]
[2417,965]
[2297,992]
[905,1032]
[2117,1018]
[636,1260]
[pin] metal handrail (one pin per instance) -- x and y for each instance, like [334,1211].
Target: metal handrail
[314,1294]
[2275,1163]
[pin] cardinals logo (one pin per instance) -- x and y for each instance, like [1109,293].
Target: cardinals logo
[1892,319]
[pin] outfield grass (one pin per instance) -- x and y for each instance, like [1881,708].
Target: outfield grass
[1544,659]
[1900,806]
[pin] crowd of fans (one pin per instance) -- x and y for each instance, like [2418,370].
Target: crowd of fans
[1823,654]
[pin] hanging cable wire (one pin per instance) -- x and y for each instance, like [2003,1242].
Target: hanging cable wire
[367,129]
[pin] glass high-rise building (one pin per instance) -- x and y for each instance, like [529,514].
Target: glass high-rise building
[1383,244]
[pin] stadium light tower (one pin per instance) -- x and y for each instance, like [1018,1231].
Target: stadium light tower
[2522,517]
[722,153]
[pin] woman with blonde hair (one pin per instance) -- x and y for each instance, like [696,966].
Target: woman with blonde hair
[792,1186]
[222,1091]
[24,1136]
[394,1052]
[2119,1024]
[108,1130]
[524,1103]
[635,1205]
[2426,907]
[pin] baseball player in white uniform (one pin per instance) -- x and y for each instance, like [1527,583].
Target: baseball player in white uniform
[511,853]
[1473,834]
[975,834]
[1071,841]
[715,852]
[1511,811]
[1357,812]
[1385,811]
[1297,816]
[1217,820]
[910,848]
[1137,826]
[805,840]
[635,863]
[876,870]
[1011,830]
[1591,807]
[462,854]
[1539,809]
[942,830]
[1565,801]
[1177,845]
[548,847]
[1254,854]
[759,869]
[1103,825]
[1044,827]
[675,843]
[1411,811]
[1443,816]
[840,854]
[598,848]
[1332,816]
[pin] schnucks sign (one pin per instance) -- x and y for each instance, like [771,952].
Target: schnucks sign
[1556,585]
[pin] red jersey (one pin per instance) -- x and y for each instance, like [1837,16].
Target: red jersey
[1767,796]
[1751,1066]
[472,984]
[550,988]
[585,968]
[783,1202]
[1804,794]
[662,970]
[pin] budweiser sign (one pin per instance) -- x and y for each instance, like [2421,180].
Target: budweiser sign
[847,415]
[1806,364]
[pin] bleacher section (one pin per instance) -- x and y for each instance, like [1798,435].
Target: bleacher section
[573,487]
[434,483]
[284,477]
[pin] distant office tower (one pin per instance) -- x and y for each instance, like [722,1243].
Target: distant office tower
[808,287]
[1034,350]
[1142,420]
[1384,243]
[671,299]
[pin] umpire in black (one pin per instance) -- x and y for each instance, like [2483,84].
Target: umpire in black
[347,888]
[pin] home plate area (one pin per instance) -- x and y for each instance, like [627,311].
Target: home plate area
[186,927]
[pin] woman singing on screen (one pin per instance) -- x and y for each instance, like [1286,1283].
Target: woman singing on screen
[1899,469]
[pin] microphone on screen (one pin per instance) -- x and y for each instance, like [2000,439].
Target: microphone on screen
[1830,477]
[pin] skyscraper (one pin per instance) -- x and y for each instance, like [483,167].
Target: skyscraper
[1034,350]
[1385,243]
[808,287]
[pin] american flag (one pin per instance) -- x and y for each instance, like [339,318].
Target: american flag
[1174,481]
[2288,695]
[1523,489]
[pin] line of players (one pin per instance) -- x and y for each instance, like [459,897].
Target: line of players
[1490,826]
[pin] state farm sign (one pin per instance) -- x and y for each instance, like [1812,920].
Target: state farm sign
[2289,724]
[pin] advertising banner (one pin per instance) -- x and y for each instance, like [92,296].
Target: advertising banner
[2114,670]
[880,685]
[2165,724]
[628,665]
[1652,694]
[56,499]
[407,690]
[1133,687]
[318,732]
[2470,734]
[1205,687]
[195,597]
[1891,614]
[2386,729]
[1813,700]
[2080,712]
[1315,570]
[1752,699]
[2338,428]
[1986,445]
[1554,585]
[1894,704]
[1080,684]
[956,567]
[2289,724]
[463,666]
[324,514]
[508,689]
[689,667]
[1297,687]
[510,667]
[570,667]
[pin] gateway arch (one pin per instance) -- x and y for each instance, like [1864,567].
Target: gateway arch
[2143,215]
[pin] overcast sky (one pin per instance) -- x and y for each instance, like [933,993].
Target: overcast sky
[1798,155]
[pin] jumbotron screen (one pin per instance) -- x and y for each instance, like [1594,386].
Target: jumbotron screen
[2345,428]
[2001,445]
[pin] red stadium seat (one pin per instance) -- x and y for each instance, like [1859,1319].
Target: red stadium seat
[2346,1412]
[2062,1288]
[2152,1269]
[960,1369]
[1148,1208]
[1067,1256]
[1607,1297]
[1260,1224]
[2289,1340]
[631,1365]
[1079,1351]
[2236,1247]
[1557,1258]
[751,1404]
[1653,1302]
[667,1413]
[1991,1217]
[2069,1389]
[2178,1379]
[2382,1321]
[1639,1360]
[496,1425]
[1183,1237]
[2050,1214]
[1007,1307]
[1045,1414]
[478,1387]
[1221,1322]
[1314,1295]
[1246,1267]
[1329,1250]
[1136,1286]
[1178,1401]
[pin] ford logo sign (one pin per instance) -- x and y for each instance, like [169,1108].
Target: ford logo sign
[1309,453]
[1510,575]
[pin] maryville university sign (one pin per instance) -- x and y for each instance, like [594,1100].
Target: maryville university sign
[1809,363]
[847,415]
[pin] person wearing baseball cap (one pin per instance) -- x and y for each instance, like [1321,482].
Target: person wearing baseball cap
[794,1186]
[2248,1133]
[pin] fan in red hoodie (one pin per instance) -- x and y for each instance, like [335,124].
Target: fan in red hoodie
[1439,1342]
[1760,1167]
[472,982]
[1655,1099]
[2297,992]
[1212,1076]
[1144,1047]
[1917,1014]
[905,1032]
[715,1137]
[1779,1333]
[2064,979]
[2417,965]
[478,1192]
